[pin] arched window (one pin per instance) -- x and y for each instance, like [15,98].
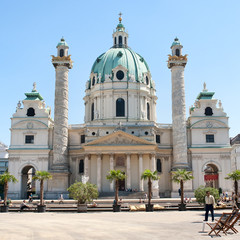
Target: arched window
[120,40]
[93,81]
[148,111]
[115,40]
[81,166]
[92,112]
[177,52]
[61,52]
[120,107]
[159,165]
[208,111]
[30,112]
[147,81]
[125,41]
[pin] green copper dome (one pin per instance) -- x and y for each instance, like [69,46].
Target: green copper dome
[62,43]
[126,57]
[176,42]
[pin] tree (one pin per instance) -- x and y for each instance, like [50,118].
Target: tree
[5,178]
[116,175]
[181,176]
[149,176]
[235,176]
[83,192]
[200,194]
[42,176]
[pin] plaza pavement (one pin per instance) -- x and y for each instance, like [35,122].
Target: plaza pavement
[106,225]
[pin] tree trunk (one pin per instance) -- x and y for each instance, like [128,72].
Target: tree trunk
[149,191]
[236,187]
[41,192]
[5,192]
[116,192]
[182,193]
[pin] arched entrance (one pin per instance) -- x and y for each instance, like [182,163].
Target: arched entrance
[211,176]
[28,185]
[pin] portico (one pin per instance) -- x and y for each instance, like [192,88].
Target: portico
[119,151]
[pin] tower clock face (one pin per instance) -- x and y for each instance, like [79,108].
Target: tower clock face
[120,75]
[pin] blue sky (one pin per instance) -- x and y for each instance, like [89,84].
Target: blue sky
[208,30]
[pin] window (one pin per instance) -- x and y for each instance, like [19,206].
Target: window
[82,138]
[93,81]
[148,111]
[157,138]
[147,81]
[159,165]
[120,40]
[30,112]
[29,139]
[208,111]
[81,166]
[125,41]
[120,75]
[115,40]
[177,52]
[92,112]
[120,107]
[209,138]
[61,52]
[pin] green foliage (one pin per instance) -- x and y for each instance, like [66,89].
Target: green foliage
[149,175]
[200,194]
[7,177]
[116,175]
[181,175]
[235,175]
[42,175]
[83,192]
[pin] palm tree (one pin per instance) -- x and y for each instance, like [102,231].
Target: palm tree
[150,176]
[181,176]
[41,176]
[5,178]
[116,175]
[235,176]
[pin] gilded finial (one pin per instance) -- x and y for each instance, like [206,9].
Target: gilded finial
[120,17]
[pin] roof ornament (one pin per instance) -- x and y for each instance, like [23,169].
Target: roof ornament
[120,17]
[34,87]
[219,104]
[19,104]
[204,87]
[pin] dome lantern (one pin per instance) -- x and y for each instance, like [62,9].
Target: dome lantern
[120,37]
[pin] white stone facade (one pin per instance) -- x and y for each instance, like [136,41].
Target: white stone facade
[131,142]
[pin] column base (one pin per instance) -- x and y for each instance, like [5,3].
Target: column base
[58,185]
[177,166]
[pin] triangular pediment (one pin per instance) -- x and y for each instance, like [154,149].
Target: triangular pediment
[119,138]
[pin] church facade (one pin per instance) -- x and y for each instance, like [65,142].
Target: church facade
[120,130]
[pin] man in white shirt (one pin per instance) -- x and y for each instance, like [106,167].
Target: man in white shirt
[209,204]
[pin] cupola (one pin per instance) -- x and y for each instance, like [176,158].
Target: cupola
[120,37]
[62,48]
[176,48]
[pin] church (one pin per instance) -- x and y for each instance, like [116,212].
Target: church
[120,129]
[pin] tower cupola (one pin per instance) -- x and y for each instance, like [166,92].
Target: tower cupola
[120,37]
[62,48]
[176,48]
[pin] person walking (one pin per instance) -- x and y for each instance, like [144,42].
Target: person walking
[209,204]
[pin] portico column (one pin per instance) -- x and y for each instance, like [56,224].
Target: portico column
[99,171]
[128,171]
[140,162]
[111,168]
[86,172]
[155,192]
